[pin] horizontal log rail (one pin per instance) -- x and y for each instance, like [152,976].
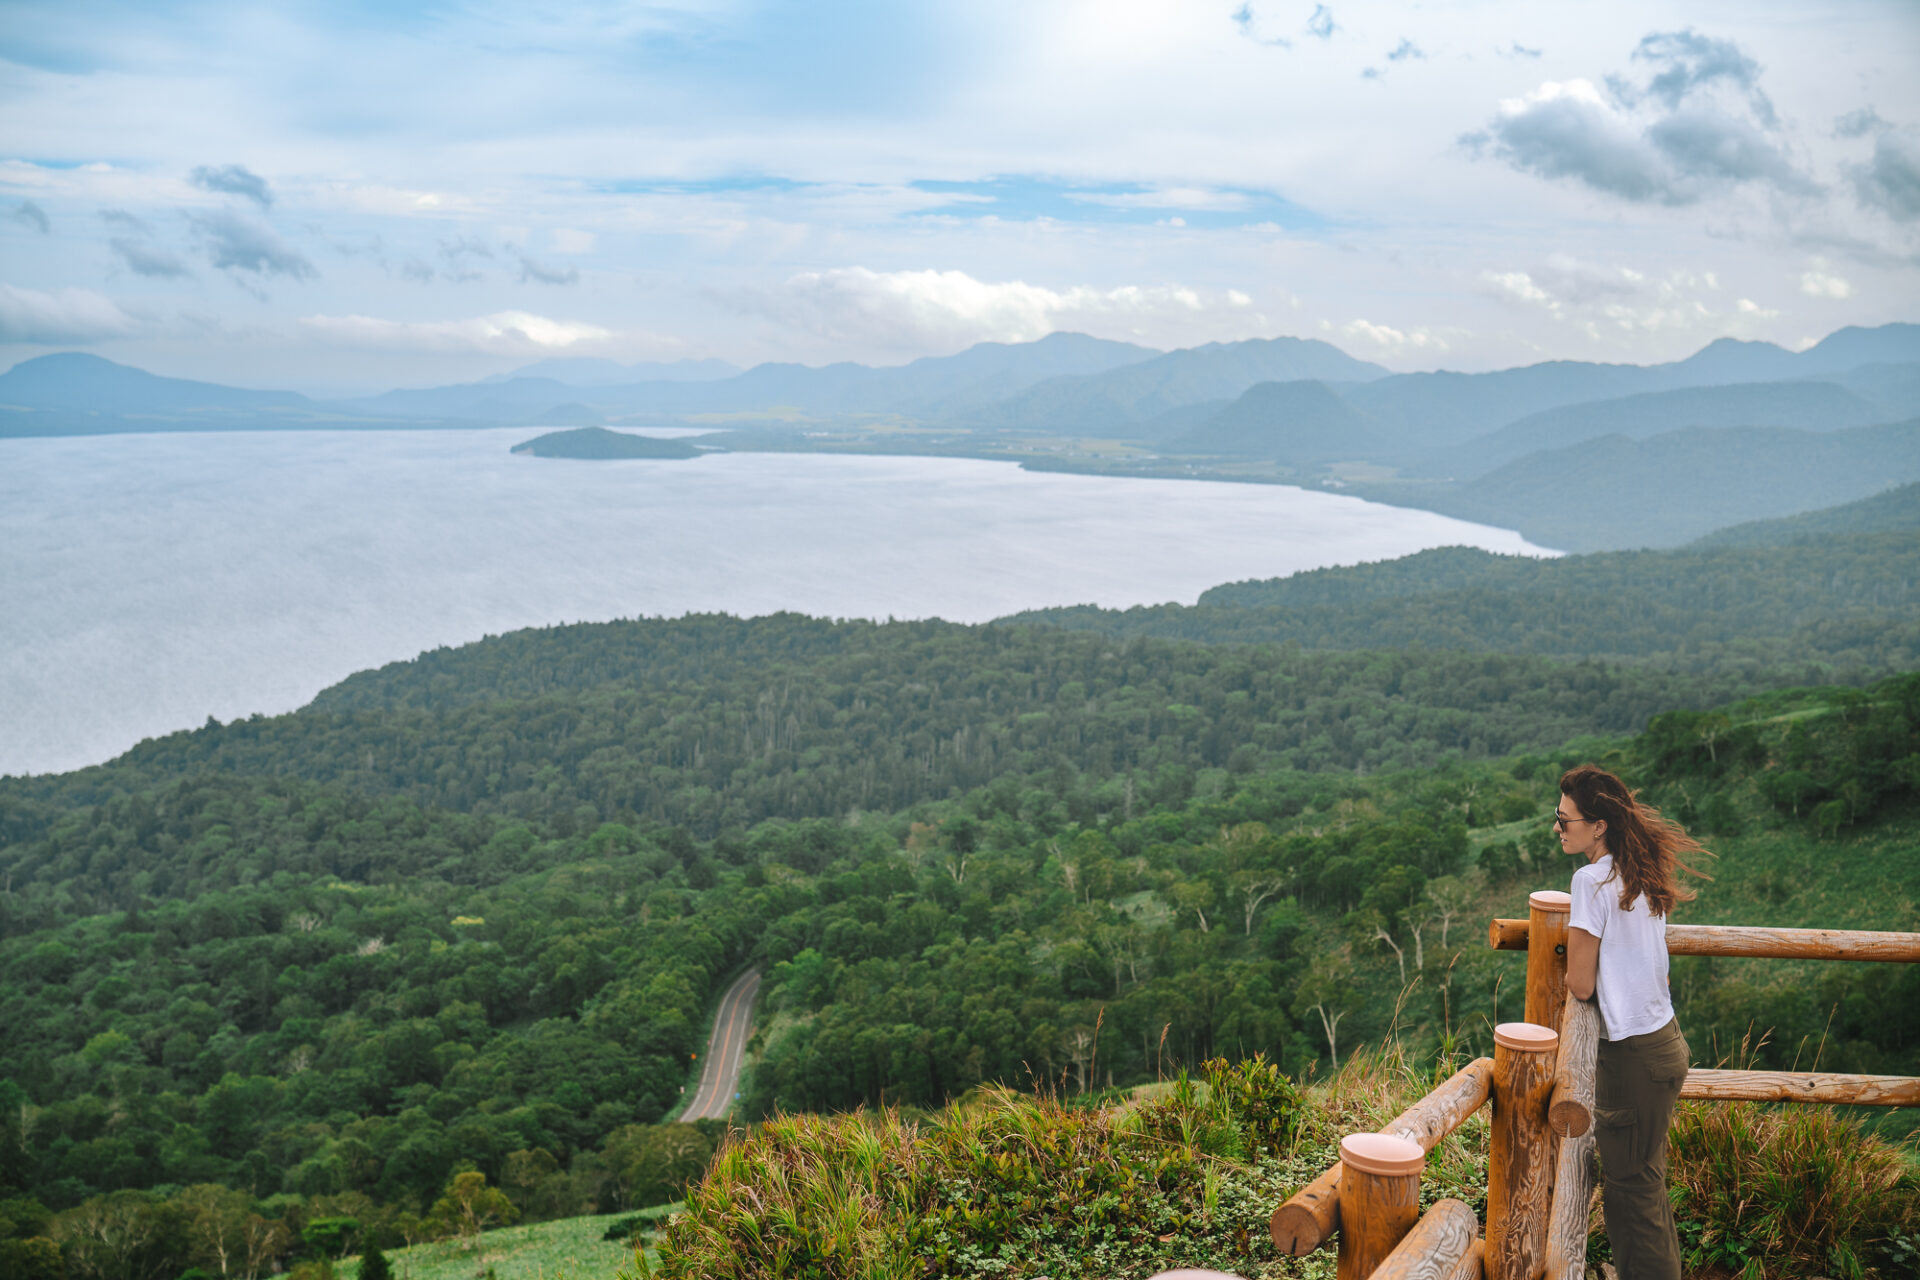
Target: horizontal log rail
[1312,1214]
[1801,1086]
[1570,1112]
[1753,941]
[1438,1248]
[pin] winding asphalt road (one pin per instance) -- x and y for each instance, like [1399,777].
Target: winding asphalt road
[720,1073]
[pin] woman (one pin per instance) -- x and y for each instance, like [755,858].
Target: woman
[1617,950]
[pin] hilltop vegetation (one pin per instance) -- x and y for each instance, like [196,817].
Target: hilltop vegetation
[441,947]
[1827,606]
[1895,509]
[599,444]
[346,1002]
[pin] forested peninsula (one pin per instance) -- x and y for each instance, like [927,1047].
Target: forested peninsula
[444,943]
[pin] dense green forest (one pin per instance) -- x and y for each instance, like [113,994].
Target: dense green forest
[1836,606]
[440,948]
[339,1004]
[715,723]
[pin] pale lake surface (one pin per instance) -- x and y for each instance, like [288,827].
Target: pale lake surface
[148,582]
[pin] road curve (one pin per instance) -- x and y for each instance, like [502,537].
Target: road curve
[720,1069]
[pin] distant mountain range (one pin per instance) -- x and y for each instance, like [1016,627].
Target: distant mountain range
[1758,431]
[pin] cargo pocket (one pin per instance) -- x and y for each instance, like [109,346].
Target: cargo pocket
[1614,1133]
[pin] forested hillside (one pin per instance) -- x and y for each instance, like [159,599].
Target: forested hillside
[716,723]
[442,946]
[345,1001]
[1831,606]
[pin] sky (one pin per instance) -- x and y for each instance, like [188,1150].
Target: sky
[353,195]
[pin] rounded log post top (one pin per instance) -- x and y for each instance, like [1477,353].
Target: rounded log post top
[1381,1153]
[1526,1037]
[1550,900]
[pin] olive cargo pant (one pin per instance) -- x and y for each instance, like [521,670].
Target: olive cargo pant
[1636,1082]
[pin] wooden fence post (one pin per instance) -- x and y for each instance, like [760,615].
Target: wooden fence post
[1567,1220]
[1379,1199]
[1439,1248]
[1304,1222]
[1571,1110]
[1547,912]
[1521,1154]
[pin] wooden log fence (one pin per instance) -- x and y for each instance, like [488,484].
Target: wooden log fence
[1311,1216]
[1540,1082]
[1754,943]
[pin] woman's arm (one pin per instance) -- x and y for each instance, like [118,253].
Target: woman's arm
[1583,963]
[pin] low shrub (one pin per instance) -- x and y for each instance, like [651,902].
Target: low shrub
[1765,1192]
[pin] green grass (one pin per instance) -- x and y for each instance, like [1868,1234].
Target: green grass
[565,1249]
[1003,1184]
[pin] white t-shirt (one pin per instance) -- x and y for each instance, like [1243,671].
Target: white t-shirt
[1632,982]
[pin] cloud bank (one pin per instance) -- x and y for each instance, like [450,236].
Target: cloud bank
[502,333]
[60,317]
[1696,125]
[233,180]
[233,243]
[911,310]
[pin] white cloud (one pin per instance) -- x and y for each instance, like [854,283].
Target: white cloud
[1388,341]
[1699,125]
[62,316]
[502,333]
[1820,283]
[1517,285]
[1201,198]
[568,240]
[946,309]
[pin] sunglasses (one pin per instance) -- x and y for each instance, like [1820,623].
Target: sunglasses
[1561,822]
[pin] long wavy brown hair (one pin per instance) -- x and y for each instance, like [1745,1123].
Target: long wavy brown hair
[1647,849]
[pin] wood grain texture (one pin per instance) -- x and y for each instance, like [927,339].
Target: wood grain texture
[1546,966]
[1507,935]
[1473,1266]
[1309,1216]
[1519,1164]
[1801,1086]
[1572,1204]
[1376,1212]
[1571,1110]
[1434,1248]
[1312,1214]
[1793,944]
[1754,941]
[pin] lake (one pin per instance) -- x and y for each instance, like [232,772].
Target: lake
[152,581]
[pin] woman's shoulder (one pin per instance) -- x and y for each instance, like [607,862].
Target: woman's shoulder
[1593,874]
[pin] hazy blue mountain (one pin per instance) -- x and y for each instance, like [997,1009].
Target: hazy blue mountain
[1894,387]
[1422,414]
[936,386]
[598,444]
[76,381]
[515,400]
[1732,360]
[1291,422]
[588,371]
[1110,402]
[1851,347]
[1176,421]
[1896,508]
[1618,492]
[1812,406]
